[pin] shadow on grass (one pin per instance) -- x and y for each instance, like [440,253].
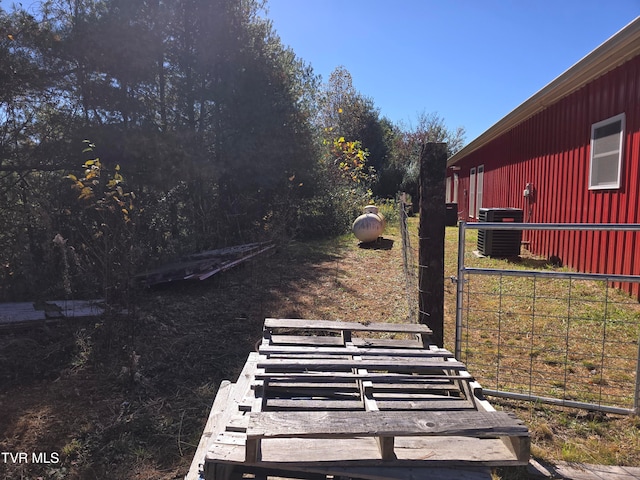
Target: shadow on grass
[528,262]
[141,387]
[379,244]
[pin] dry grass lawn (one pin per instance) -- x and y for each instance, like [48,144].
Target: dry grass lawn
[127,398]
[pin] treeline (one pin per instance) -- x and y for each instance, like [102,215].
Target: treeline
[133,131]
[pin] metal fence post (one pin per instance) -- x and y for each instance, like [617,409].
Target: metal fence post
[636,397]
[460,287]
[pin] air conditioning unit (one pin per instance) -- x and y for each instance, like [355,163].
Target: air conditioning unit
[500,243]
[451,216]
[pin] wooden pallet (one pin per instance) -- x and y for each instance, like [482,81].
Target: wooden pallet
[357,400]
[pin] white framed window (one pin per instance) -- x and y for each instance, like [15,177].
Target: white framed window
[472,192]
[607,140]
[456,179]
[479,189]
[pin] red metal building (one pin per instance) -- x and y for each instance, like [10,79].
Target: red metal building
[569,154]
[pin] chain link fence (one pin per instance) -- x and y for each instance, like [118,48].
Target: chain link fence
[409,259]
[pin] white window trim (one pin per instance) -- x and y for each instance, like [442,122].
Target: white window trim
[479,189]
[455,187]
[609,186]
[472,192]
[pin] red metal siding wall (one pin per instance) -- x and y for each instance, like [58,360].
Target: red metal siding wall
[551,151]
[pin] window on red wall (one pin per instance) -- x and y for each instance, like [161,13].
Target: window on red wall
[456,180]
[472,192]
[479,190]
[607,139]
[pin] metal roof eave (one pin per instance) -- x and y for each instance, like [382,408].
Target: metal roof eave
[618,49]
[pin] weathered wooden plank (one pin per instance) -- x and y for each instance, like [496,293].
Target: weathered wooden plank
[386,447]
[219,405]
[400,390]
[231,436]
[519,446]
[435,404]
[328,387]
[304,340]
[385,444]
[231,264]
[238,396]
[352,424]
[324,393]
[203,265]
[310,356]
[282,404]
[336,389]
[264,473]
[252,446]
[238,423]
[338,326]
[408,473]
[314,340]
[468,391]
[388,342]
[79,308]
[225,251]
[354,350]
[14,314]
[367,397]
[419,395]
[326,377]
[309,454]
[390,363]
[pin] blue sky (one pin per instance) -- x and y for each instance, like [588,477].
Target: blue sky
[470,61]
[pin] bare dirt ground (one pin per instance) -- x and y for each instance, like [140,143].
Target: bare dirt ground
[127,398]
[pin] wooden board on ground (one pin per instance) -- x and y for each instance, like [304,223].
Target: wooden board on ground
[349,408]
[25,314]
[203,265]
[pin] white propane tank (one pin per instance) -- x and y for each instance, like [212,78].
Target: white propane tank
[370,225]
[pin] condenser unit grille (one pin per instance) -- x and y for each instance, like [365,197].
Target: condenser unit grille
[500,243]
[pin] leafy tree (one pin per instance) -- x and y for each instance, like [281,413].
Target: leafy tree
[103,226]
[225,134]
[350,159]
[430,128]
[344,112]
[27,163]
[197,100]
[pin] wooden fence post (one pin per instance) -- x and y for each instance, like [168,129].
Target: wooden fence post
[433,167]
